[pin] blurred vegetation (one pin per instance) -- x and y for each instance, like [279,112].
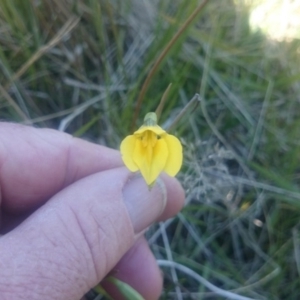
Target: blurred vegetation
[78,66]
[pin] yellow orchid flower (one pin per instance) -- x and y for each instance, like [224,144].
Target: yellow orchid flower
[152,150]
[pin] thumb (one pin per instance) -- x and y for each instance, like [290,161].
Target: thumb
[67,246]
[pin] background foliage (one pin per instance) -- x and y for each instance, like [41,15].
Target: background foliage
[78,66]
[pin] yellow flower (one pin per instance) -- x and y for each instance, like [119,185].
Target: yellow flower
[152,150]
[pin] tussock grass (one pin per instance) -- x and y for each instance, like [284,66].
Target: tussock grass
[78,66]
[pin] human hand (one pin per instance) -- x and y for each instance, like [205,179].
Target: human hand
[71,214]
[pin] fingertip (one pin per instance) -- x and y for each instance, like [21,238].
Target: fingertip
[139,269]
[175,197]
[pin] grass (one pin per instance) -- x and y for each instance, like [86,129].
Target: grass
[79,66]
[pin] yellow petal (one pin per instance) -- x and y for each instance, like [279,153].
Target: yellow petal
[151,169]
[156,129]
[127,149]
[174,160]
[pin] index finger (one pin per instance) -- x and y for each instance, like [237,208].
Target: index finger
[37,163]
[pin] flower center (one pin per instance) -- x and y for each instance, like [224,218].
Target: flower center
[149,139]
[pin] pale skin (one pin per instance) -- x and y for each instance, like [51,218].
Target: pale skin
[71,214]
